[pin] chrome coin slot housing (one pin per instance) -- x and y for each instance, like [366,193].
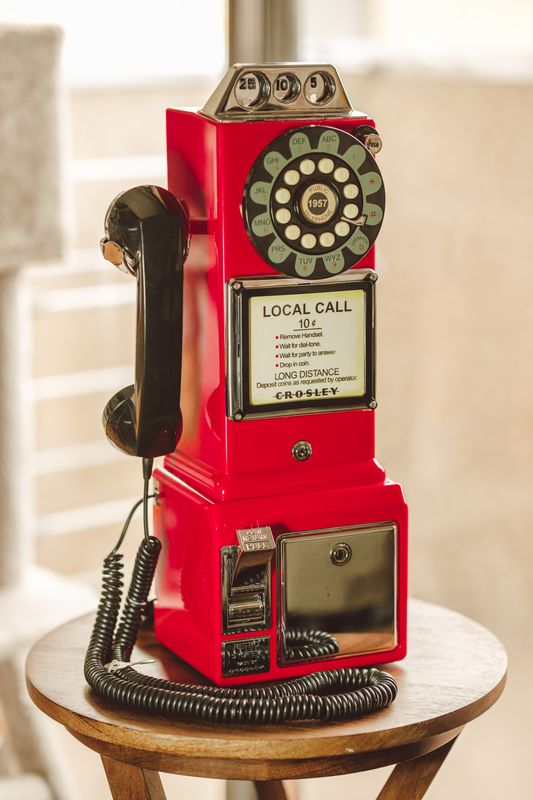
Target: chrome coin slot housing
[245,568]
[286,90]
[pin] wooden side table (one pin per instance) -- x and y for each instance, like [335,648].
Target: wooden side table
[454,672]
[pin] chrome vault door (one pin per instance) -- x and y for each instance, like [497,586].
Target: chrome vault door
[337,587]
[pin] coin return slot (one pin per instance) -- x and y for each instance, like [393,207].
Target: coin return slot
[246,581]
[246,610]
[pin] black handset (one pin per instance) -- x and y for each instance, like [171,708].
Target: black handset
[147,236]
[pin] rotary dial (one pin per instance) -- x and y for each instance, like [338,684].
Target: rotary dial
[313,202]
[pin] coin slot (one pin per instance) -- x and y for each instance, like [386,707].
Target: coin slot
[252,90]
[286,88]
[319,88]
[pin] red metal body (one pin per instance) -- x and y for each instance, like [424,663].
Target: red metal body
[229,475]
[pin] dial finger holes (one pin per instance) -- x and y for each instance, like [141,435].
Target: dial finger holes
[292,232]
[307,167]
[342,228]
[283,195]
[305,205]
[350,191]
[341,174]
[291,177]
[327,239]
[350,210]
[283,215]
[325,165]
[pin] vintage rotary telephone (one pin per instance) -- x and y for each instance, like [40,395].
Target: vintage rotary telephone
[283,544]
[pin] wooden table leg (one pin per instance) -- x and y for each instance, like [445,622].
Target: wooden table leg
[412,779]
[129,782]
[276,790]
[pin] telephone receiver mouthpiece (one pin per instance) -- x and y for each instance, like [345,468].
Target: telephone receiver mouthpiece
[146,235]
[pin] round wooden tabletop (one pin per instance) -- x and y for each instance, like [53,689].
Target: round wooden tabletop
[454,672]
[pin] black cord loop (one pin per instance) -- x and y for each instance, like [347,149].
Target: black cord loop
[301,644]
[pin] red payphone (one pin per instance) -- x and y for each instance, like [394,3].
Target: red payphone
[283,543]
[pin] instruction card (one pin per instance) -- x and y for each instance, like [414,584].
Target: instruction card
[307,347]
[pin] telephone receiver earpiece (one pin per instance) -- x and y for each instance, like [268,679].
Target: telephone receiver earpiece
[147,236]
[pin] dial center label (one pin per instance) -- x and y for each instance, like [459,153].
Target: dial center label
[308,346]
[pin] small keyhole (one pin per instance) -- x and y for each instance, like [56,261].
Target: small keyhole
[340,554]
[302,451]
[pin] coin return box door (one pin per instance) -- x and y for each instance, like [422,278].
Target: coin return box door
[246,581]
[338,584]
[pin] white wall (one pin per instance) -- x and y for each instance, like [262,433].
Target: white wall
[455,348]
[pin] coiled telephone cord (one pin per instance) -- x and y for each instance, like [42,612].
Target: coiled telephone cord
[333,695]
[300,643]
